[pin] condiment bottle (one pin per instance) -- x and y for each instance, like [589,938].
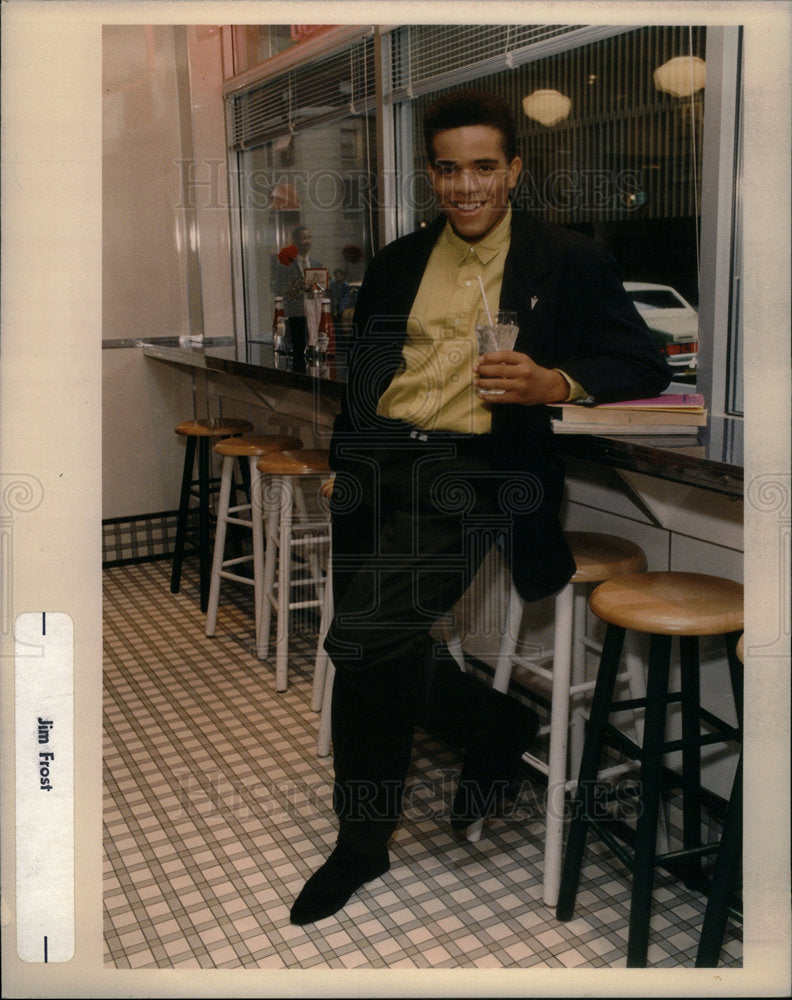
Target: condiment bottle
[325,337]
[279,340]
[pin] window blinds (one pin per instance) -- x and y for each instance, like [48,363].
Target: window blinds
[626,150]
[336,86]
[426,57]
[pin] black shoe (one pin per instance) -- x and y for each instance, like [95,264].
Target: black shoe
[329,888]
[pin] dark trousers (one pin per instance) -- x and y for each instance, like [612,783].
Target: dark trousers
[412,521]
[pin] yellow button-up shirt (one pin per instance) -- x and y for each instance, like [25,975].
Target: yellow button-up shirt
[433,387]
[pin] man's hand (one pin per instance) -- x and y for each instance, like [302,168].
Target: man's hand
[523,380]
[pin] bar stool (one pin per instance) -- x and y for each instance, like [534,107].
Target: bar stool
[598,557]
[725,875]
[287,535]
[664,605]
[199,433]
[248,515]
[324,671]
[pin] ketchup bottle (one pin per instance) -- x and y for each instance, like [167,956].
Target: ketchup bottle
[325,337]
[279,327]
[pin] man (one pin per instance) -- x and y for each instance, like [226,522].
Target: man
[429,474]
[290,284]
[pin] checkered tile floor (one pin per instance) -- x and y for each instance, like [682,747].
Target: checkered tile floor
[217,808]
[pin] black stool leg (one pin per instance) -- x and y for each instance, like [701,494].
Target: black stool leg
[651,776]
[204,541]
[585,798]
[727,863]
[736,673]
[184,510]
[724,879]
[691,756]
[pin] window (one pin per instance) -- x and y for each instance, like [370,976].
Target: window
[610,135]
[626,133]
[304,145]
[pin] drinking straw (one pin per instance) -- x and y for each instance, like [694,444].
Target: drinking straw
[484,298]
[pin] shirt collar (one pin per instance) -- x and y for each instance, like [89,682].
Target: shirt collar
[485,249]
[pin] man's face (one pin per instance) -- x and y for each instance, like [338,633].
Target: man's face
[303,242]
[471,178]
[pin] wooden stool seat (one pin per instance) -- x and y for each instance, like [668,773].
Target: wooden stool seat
[671,603]
[213,427]
[256,444]
[306,462]
[600,557]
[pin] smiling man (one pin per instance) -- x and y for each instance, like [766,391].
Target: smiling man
[430,474]
[472,176]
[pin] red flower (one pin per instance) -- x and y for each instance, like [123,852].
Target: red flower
[288,255]
[352,253]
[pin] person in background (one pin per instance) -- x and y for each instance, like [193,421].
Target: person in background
[290,283]
[340,295]
[431,472]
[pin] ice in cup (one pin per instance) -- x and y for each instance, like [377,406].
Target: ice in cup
[495,332]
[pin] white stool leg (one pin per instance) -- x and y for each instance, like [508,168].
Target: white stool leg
[323,741]
[508,644]
[577,730]
[257,528]
[324,672]
[284,585]
[321,661]
[315,569]
[219,545]
[557,754]
[503,670]
[453,640]
[275,493]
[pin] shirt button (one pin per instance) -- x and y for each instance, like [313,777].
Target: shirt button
[468,283]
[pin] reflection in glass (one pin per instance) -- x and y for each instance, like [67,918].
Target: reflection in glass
[609,152]
[319,180]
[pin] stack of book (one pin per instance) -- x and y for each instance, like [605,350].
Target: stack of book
[673,413]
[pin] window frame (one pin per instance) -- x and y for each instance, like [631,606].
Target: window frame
[719,375]
[720,325]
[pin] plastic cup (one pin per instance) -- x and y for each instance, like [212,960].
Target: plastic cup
[495,333]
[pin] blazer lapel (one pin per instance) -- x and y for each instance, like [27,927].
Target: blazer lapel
[525,267]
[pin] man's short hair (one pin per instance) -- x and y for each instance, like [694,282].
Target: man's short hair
[301,228]
[470,107]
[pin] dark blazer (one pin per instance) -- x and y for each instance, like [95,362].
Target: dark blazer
[573,314]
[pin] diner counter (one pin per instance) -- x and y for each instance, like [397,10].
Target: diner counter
[712,459]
